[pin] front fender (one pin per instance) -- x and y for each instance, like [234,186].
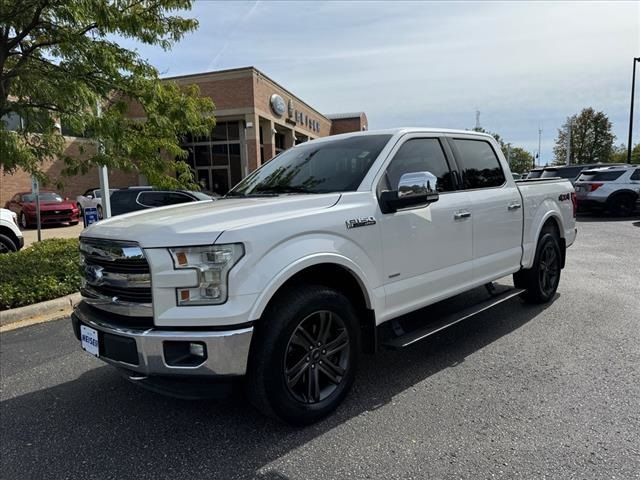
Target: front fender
[309,261]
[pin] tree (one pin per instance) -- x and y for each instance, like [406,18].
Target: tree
[591,138]
[519,159]
[62,65]
[620,154]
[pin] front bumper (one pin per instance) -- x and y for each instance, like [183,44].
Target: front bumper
[145,349]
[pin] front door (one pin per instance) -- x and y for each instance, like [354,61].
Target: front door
[427,251]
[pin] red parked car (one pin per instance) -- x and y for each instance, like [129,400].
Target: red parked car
[53,209]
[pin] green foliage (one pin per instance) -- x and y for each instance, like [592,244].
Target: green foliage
[520,160]
[591,138]
[61,62]
[619,154]
[47,270]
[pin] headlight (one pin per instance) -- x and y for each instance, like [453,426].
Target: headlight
[212,264]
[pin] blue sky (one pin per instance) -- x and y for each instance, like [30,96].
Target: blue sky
[522,64]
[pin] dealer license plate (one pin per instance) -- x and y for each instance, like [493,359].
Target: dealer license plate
[89,340]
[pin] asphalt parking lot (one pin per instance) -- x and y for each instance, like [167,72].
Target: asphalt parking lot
[518,392]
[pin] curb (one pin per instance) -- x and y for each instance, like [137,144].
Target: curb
[38,312]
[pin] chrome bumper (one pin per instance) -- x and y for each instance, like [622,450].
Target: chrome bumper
[227,352]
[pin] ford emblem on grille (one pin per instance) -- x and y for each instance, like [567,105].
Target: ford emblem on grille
[93,274]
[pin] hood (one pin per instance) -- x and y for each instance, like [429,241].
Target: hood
[201,223]
[51,205]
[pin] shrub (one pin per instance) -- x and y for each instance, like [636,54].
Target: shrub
[47,270]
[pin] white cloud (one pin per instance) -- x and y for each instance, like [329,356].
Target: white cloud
[523,64]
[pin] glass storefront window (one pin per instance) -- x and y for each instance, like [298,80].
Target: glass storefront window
[202,156]
[220,154]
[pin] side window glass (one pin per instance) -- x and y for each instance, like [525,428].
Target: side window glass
[420,155]
[171,198]
[151,199]
[479,164]
[636,174]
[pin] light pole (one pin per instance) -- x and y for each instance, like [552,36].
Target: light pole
[633,88]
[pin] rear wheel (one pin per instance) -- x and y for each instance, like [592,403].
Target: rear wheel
[303,361]
[541,280]
[622,205]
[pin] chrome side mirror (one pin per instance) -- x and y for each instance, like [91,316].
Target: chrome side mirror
[416,184]
[416,189]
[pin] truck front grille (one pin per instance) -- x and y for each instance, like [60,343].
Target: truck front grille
[117,277]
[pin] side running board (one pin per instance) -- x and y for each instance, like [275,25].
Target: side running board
[449,320]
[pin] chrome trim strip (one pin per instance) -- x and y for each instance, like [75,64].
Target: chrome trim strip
[113,305]
[228,351]
[111,250]
[115,279]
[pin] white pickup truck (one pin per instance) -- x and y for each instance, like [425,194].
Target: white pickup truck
[315,258]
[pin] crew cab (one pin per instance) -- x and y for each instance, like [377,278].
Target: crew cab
[316,257]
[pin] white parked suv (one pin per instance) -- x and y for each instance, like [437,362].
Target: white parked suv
[314,258]
[91,199]
[616,189]
[11,239]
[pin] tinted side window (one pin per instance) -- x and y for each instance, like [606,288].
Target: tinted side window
[480,165]
[600,176]
[420,155]
[636,174]
[171,198]
[151,199]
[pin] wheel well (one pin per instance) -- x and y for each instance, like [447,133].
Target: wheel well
[9,233]
[552,226]
[620,193]
[345,281]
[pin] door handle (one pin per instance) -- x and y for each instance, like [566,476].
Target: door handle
[460,215]
[514,206]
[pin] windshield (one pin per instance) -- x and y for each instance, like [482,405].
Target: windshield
[329,166]
[44,197]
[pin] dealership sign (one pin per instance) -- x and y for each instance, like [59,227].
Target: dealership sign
[296,117]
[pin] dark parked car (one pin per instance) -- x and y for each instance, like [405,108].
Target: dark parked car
[53,209]
[572,172]
[131,199]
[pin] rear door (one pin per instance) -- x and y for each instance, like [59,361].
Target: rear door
[496,208]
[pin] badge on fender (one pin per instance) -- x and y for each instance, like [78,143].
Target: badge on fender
[360,222]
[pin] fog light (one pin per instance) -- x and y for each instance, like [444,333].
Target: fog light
[196,349]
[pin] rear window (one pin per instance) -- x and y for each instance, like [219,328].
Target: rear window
[534,174]
[561,172]
[481,168]
[606,176]
[636,174]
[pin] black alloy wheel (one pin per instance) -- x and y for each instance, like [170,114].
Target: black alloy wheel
[549,270]
[317,357]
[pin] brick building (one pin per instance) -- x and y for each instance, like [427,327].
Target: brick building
[256,118]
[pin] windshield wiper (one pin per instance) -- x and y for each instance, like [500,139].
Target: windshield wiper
[282,189]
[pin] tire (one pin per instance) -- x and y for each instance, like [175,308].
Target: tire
[297,387]
[541,280]
[24,224]
[622,205]
[99,208]
[7,245]
[74,223]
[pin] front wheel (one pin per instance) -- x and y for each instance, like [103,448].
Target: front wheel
[23,221]
[305,353]
[541,280]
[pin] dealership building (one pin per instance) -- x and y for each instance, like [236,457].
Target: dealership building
[256,118]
